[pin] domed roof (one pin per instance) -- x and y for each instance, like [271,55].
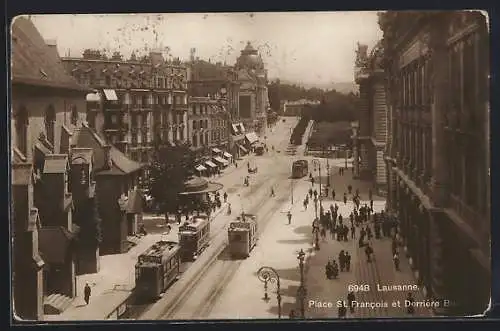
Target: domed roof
[249,58]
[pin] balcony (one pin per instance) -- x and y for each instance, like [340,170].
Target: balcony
[140,107]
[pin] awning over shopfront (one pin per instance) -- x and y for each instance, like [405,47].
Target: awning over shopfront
[220,160]
[235,128]
[252,137]
[93,97]
[110,95]
[216,150]
[200,168]
[243,149]
[227,155]
[211,164]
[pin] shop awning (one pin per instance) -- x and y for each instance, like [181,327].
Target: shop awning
[93,97]
[200,168]
[243,149]
[227,155]
[221,160]
[211,164]
[236,130]
[216,150]
[252,137]
[242,128]
[110,95]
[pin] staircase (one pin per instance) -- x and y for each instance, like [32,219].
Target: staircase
[56,303]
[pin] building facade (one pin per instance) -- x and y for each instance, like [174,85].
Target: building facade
[296,108]
[372,132]
[208,123]
[47,106]
[438,159]
[253,96]
[138,100]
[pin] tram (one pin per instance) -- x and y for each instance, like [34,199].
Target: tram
[300,169]
[194,237]
[242,235]
[156,269]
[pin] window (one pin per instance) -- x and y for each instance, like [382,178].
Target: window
[114,119]
[50,119]
[194,109]
[201,124]
[107,81]
[22,121]
[194,125]
[194,140]
[74,115]
[144,100]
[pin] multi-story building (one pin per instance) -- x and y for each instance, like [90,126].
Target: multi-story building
[47,106]
[139,99]
[253,96]
[371,138]
[216,84]
[296,108]
[208,123]
[437,70]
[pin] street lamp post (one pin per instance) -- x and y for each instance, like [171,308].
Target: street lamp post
[328,173]
[291,188]
[302,291]
[315,231]
[270,275]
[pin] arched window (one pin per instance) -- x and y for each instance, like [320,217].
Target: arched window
[21,122]
[74,115]
[50,119]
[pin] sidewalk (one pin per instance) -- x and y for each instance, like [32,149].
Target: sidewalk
[380,271]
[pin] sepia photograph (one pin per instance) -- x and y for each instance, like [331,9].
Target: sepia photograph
[244,166]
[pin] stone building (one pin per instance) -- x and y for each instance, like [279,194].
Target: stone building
[47,106]
[437,69]
[253,97]
[218,82]
[372,131]
[296,108]
[138,100]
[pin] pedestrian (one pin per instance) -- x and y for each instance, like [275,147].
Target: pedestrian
[326,192]
[368,252]
[350,298]
[342,311]
[272,191]
[348,261]
[86,293]
[342,260]
[370,194]
[371,205]
[349,188]
[394,246]
[305,204]
[396,261]
[311,193]
[315,192]
[353,232]
[333,194]
[225,197]
[409,302]
[291,315]
[289,215]
[345,198]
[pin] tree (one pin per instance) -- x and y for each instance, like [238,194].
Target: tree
[172,166]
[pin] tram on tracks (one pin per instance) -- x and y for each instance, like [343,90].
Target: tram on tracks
[194,237]
[300,168]
[156,269]
[242,235]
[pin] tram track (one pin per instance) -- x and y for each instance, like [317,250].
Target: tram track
[228,267]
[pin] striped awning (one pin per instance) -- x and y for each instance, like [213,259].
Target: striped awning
[110,95]
[216,150]
[243,149]
[211,164]
[226,154]
[200,168]
[252,137]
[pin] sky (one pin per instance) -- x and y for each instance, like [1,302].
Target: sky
[308,48]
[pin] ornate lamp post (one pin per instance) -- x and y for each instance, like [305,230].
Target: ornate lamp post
[317,165]
[270,275]
[302,291]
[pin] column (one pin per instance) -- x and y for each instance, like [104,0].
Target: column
[440,81]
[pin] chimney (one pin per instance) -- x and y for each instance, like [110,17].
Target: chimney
[156,57]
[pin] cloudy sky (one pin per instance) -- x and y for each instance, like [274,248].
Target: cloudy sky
[313,48]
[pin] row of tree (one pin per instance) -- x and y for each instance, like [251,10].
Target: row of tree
[298,131]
